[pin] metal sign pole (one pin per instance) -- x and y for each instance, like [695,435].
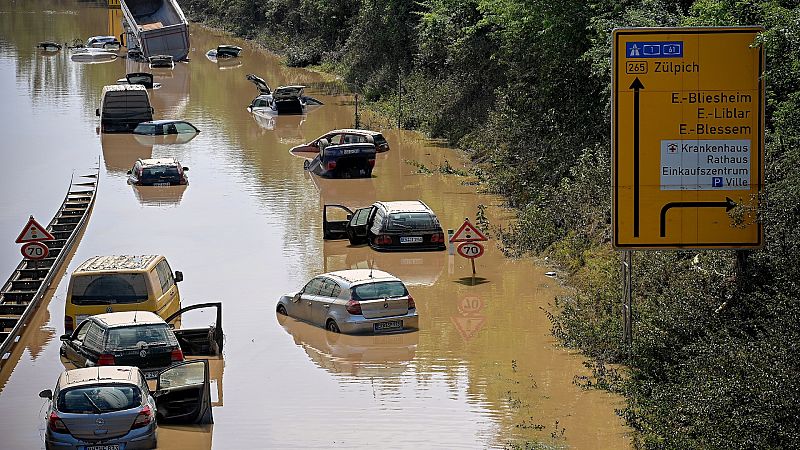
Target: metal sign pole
[627,301]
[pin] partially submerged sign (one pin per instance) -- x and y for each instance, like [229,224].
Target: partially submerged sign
[688,137]
[33,232]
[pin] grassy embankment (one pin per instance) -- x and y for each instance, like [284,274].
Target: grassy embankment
[524,88]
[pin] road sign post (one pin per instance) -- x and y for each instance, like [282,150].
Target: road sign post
[469,236]
[688,137]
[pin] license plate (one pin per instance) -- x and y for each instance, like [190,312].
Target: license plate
[103,447]
[160,184]
[390,325]
[410,239]
[151,375]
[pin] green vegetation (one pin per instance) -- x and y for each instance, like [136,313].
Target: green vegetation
[524,86]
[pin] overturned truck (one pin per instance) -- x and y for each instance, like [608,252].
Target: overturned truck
[157,27]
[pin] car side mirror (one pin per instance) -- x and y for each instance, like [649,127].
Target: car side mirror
[97,112]
[185,169]
[297,296]
[152,110]
[349,216]
[130,172]
[178,276]
[47,393]
[65,337]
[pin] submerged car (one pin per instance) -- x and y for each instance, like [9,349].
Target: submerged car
[283,100]
[105,42]
[141,339]
[158,172]
[344,136]
[224,51]
[353,301]
[342,161]
[112,408]
[165,126]
[401,225]
[142,78]
[161,62]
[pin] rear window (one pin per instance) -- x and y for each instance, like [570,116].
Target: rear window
[136,336]
[411,221]
[161,173]
[99,398]
[109,289]
[382,289]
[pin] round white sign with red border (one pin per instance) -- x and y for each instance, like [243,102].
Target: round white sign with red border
[470,250]
[35,250]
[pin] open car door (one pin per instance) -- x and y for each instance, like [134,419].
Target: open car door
[332,228]
[261,84]
[357,228]
[183,394]
[203,341]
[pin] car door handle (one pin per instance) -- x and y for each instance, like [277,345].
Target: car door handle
[309,303]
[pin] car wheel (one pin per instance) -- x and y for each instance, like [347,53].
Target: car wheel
[331,326]
[281,310]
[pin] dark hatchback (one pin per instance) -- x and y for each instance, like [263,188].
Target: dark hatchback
[161,127]
[402,225]
[141,339]
[157,172]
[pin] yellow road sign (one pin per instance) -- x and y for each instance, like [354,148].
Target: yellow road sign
[687,137]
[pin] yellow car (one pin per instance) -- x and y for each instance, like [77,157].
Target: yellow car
[104,284]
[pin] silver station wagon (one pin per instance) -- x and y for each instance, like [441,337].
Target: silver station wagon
[353,301]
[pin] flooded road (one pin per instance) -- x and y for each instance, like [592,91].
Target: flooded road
[482,371]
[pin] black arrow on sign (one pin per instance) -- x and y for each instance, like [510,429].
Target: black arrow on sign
[636,86]
[728,204]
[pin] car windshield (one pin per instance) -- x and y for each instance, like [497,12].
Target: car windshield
[109,289]
[381,289]
[121,338]
[411,221]
[97,399]
[160,173]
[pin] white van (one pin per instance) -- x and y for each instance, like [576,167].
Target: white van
[124,106]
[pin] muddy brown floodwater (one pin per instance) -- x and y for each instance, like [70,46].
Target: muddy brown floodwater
[482,371]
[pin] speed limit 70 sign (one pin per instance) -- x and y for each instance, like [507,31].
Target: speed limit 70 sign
[35,250]
[470,250]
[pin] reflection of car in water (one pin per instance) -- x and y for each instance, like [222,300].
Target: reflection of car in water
[414,268]
[120,151]
[114,407]
[363,356]
[159,195]
[399,225]
[353,301]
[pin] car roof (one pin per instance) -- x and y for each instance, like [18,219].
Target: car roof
[161,121]
[123,318]
[405,206]
[151,162]
[92,375]
[124,87]
[358,276]
[116,262]
[355,131]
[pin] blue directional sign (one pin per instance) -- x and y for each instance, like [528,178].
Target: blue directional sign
[673,49]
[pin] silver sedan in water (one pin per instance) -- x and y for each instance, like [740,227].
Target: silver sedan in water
[353,301]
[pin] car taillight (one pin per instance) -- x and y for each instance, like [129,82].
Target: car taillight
[56,424]
[69,325]
[144,417]
[353,307]
[411,304]
[437,237]
[383,239]
[371,163]
[106,359]
[176,355]
[331,165]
